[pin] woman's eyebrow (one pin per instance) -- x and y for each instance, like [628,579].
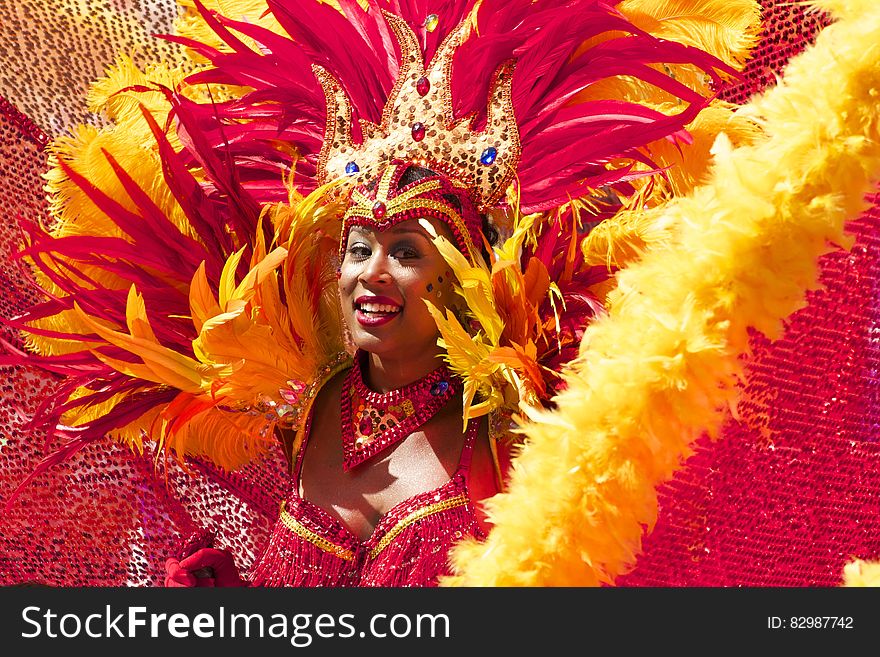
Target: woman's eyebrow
[364,231]
[411,231]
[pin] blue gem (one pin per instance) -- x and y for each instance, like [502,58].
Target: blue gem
[489,155]
[439,388]
[351,168]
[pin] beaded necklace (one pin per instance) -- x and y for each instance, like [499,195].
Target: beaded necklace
[373,421]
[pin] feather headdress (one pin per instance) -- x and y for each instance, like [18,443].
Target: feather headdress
[189,288]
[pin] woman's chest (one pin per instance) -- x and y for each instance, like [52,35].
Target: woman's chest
[361,496]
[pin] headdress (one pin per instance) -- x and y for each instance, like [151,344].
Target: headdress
[419,125]
[385,203]
[206,315]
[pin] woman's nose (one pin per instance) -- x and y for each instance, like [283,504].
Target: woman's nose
[376,269]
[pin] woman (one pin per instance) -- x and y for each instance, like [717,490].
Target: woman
[380,493]
[223,326]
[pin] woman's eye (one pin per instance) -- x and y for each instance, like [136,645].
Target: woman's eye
[406,253]
[358,251]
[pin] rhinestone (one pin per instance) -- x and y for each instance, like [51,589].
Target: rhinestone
[431,22]
[351,168]
[439,388]
[418,131]
[290,396]
[379,210]
[423,86]
[489,155]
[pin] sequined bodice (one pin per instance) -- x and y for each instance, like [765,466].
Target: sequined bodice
[409,545]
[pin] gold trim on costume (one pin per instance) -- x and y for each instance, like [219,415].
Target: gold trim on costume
[302,531]
[452,503]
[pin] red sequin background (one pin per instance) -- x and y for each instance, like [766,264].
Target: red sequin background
[787,496]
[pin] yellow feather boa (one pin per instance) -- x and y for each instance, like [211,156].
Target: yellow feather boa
[662,368]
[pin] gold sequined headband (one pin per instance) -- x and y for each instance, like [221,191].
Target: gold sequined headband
[385,204]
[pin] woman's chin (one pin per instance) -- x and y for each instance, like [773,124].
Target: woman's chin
[389,343]
[373,339]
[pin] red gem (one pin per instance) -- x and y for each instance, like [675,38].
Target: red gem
[418,131]
[365,426]
[423,86]
[378,209]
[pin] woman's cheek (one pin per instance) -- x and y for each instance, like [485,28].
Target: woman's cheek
[346,278]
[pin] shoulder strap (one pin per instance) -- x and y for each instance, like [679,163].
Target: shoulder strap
[324,375]
[467,450]
[302,439]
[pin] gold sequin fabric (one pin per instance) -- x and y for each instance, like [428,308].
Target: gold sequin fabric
[485,162]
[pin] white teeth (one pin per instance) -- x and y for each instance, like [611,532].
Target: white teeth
[378,308]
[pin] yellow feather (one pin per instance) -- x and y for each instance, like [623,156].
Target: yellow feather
[227,278]
[474,286]
[728,29]
[136,317]
[859,573]
[229,439]
[202,303]
[130,141]
[109,95]
[468,357]
[132,434]
[267,264]
[642,223]
[154,373]
[664,365]
[169,366]
[190,23]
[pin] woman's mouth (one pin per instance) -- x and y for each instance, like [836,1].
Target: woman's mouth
[375,311]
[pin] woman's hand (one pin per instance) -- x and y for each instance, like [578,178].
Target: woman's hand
[203,568]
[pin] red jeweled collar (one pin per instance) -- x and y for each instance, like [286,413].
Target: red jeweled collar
[373,421]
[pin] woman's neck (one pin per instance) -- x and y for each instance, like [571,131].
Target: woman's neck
[384,374]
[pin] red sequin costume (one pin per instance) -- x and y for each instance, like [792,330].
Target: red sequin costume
[409,545]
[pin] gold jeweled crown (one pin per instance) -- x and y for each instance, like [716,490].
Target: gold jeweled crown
[418,125]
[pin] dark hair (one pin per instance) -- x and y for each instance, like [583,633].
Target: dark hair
[414,173]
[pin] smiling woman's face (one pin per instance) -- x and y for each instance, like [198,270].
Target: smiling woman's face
[384,278]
